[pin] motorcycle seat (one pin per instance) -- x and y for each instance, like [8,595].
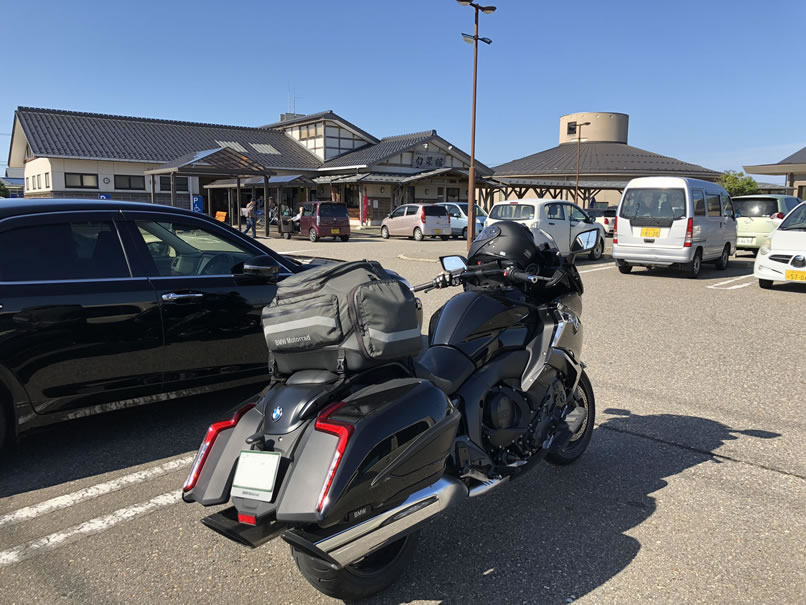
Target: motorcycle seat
[447,368]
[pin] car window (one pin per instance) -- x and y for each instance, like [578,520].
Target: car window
[62,251]
[791,203]
[555,212]
[435,210]
[796,220]
[333,210]
[714,207]
[307,210]
[756,207]
[727,206]
[400,211]
[454,211]
[577,214]
[660,203]
[188,249]
[513,211]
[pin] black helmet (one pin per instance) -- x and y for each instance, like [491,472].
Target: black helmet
[504,241]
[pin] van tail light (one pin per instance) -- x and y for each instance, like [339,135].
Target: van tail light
[777,215]
[606,221]
[209,438]
[422,214]
[615,230]
[689,233]
[342,430]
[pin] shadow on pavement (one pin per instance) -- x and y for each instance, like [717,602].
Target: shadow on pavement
[113,441]
[736,268]
[559,533]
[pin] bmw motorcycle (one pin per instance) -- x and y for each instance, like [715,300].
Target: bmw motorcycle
[347,469]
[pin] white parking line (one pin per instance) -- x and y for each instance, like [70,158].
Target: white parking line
[609,266]
[290,252]
[730,281]
[48,506]
[420,260]
[93,526]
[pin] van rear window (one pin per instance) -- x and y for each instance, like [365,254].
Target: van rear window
[513,212]
[333,210]
[667,204]
[435,210]
[756,207]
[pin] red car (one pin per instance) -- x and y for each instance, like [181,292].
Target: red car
[325,219]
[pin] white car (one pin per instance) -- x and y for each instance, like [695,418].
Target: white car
[606,217]
[562,220]
[783,256]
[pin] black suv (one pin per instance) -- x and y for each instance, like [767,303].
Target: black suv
[106,305]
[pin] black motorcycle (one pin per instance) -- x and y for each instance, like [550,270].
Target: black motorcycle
[348,468]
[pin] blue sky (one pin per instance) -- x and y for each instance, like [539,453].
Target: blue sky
[718,83]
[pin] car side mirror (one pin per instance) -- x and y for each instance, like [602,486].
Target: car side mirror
[585,241]
[452,264]
[264,267]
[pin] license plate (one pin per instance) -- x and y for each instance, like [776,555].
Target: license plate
[335,231]
[796,275]
[437,231]
[255,475]
[650,232]
[746,240]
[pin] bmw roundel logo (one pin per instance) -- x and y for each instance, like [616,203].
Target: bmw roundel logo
[277,413]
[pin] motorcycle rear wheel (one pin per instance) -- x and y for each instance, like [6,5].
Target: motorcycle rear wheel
[580,440]
[362,579]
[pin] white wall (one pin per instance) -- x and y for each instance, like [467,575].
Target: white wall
[106,171]
[38,167]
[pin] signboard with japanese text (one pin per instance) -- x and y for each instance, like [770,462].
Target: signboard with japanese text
[428,161]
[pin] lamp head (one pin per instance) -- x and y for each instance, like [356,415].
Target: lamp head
[464,2]
[487,10]
[468,38]
[486,40]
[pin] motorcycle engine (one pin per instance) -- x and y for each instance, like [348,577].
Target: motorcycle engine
[500,411]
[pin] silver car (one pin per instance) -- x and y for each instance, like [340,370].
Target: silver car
[417,221]
[458,213]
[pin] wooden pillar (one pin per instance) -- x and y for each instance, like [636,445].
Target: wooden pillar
[229,205]
[173,189]
[153,193]
[266,204]
[238,200]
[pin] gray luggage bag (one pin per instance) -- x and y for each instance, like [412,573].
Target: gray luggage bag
[340,317]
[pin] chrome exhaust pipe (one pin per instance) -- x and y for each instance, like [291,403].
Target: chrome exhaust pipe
[358,541]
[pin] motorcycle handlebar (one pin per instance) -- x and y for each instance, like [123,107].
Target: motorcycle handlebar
[444,280]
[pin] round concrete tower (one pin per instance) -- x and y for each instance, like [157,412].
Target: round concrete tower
[605,126]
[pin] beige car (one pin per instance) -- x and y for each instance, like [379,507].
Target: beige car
[417,221]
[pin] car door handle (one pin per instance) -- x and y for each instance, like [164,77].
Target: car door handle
[551,223]
[174,296]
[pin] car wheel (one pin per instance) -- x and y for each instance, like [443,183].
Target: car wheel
[598,249]
[722,263]
[765,284]
[623,267]
[344,238]
[692,269]
[384,232]
[313,235]
[464,233]
[418,234]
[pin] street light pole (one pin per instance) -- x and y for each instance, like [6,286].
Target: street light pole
[471,174]
[579,141]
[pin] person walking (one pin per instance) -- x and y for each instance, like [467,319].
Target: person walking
[251,218]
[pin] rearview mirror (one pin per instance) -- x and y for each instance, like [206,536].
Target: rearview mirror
[263,266]
[585,241]
[452,264]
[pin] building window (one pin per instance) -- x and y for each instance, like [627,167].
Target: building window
[138,183]
[181,183]
[27,184]
[39,181]
[73,180]
[311,131]
[47,180]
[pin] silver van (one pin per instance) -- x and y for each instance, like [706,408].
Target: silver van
[672,221]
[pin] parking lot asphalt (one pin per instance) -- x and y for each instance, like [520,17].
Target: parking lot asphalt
[693,488]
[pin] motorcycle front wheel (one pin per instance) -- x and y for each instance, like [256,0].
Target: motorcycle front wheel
[579,440]
[362,579]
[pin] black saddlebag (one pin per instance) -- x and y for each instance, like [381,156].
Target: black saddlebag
[340,317]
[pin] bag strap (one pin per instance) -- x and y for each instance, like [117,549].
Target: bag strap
[340,363]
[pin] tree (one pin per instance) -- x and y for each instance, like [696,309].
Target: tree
[737,183]
[3,190]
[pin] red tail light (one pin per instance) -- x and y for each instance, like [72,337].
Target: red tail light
[247,519]
[777,215]
[342,430]
[689,233]
[207,444]
[422,214]
[615,230]
[607,222]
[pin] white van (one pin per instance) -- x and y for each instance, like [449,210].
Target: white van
[672,221]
